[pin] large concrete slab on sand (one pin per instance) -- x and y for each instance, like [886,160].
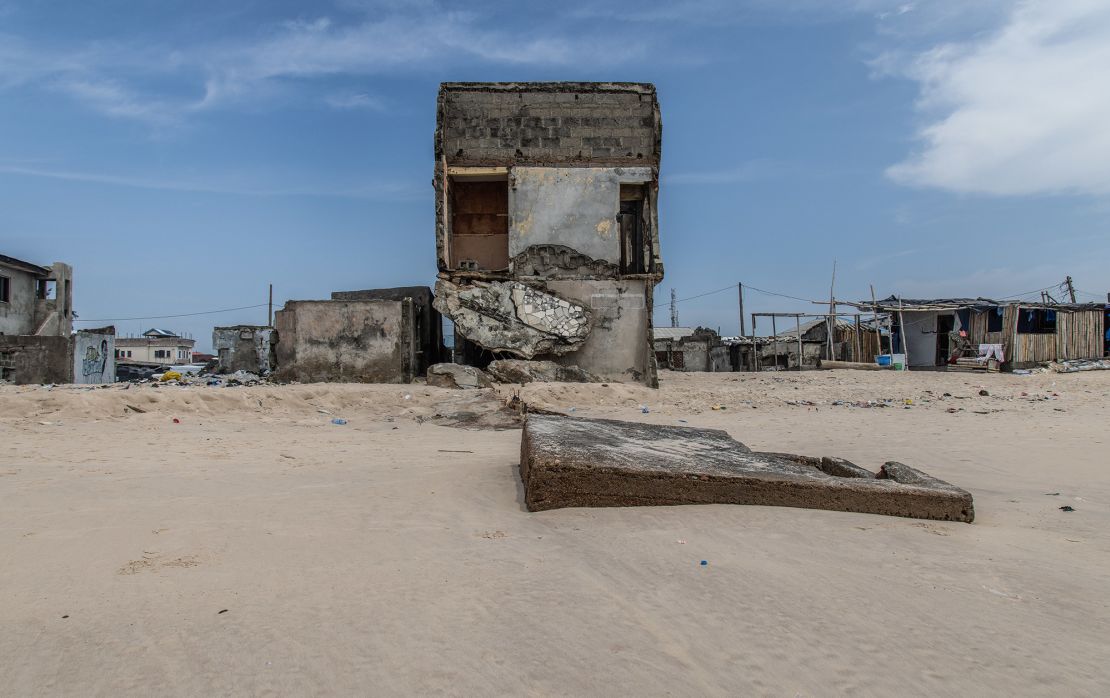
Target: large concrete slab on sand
[576,462]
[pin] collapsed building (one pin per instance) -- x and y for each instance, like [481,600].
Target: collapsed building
[372,336]
[547,232]
[37,342]
[691,349]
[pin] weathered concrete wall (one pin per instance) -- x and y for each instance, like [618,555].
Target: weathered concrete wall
[572,206]
[719,359]
[94,356]
[345,341]
[31,359]
[546,123]
[55,315]
[619,345]
[427,320]
[18,315]
[244,348]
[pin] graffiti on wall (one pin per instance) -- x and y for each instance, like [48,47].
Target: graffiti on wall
[94,358]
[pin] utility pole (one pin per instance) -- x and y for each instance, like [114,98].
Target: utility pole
[1071,288]
[270,309]
[832,311]
[740,288]
[674,310]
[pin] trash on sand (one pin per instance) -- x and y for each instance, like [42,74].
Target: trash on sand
[1052,494]
[176,420]
[1067,507]
[704,563]
[984,393]
[408,396]
[339,421]
[680,542]
[135,409]
[171,376]
[644,409]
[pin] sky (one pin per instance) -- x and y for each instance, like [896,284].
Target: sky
[184,155]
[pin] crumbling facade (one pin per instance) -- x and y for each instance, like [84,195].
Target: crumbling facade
[377,336]
[36,322]
[244,348]
[547,231]
[35,300]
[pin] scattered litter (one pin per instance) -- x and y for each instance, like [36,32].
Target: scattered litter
[1052,494]
[170,376]
[323,412]
[408,396]
[683,421]
[704,563]
[221,611]
[644,409]
[66,616]
[176,420]
[680,542]
[447,450]
[719,407]
[135,409]
[338,421]
[573,409]
[1067,507]
[984,393]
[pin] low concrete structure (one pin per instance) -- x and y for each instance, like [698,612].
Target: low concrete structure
[688,349]
[85,357]
[457,376]
[389,335]
[574,462]
[245,348]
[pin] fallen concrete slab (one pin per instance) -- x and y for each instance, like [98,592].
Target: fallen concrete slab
[577,462]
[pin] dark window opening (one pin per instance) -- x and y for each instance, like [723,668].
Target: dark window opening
[46,289]
[994,319]
[479,233]
[5,290]
[634,247]
[1036,321]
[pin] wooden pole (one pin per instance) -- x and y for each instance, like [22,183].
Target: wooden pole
[859,347]
[798,327]
[270,309]
[740,288]
[832,310]
[775,339]
[905,343]
[1071,288]
[753,358]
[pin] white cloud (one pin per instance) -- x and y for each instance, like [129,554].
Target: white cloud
[358,100]
[393,190]
[1022,110]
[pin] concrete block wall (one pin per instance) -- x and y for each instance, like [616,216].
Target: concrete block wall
[548,123]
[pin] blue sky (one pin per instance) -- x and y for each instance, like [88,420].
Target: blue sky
[182,155]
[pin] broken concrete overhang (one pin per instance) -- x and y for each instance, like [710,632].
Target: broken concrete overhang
[508,316]
[575,462]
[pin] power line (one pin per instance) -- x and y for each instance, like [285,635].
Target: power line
[700,295]
[166,317]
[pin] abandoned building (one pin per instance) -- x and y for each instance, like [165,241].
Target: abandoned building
[244,348]
[853,340]
[37,341]
[689,349]
[547,235]
[372,336]
[155,346]
[941,332]
[35,300]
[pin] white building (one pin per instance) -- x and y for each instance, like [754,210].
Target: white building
[156,346]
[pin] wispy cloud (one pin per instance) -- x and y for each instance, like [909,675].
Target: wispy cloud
[358,100]
[133,81]
[1021,110]
[388,190]
[750,171]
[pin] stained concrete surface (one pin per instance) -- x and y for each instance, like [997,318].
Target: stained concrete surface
[567,462]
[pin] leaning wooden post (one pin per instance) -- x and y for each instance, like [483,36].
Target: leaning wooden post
[753,359]
[859,342]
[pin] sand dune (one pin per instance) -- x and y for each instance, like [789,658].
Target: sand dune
[254,547]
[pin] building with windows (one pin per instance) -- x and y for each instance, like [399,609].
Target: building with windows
[155,346]
[547,232]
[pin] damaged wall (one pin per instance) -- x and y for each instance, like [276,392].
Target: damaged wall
[428,324]
[244,348]
[31,359]
[571,206]
[94,356]
[580,163]
[360,341]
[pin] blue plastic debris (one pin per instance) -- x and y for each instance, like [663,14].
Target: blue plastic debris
[704,563]
[339,421]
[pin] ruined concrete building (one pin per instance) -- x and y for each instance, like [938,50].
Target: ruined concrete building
[245,348]
[547,235]
[375,336]
[37,342]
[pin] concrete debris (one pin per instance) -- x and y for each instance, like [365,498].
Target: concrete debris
[457,376]
[508,316]
[572,461]
[518,371]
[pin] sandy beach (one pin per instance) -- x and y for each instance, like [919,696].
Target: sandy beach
[255,548]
